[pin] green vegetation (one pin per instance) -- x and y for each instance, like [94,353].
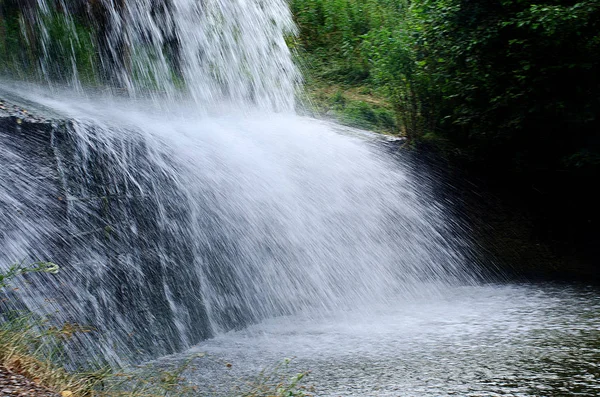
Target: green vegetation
[356,106]
[508,89]
[70,48]
[20,269]
[33,347]
[334,55]
[474,71]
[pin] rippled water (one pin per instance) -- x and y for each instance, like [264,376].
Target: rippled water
[492,340]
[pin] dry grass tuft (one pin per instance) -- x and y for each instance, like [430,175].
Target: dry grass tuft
[28,349]
[31,347]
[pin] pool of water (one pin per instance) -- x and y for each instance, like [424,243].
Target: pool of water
[490,340]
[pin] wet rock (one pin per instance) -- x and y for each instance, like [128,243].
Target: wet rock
[18,114]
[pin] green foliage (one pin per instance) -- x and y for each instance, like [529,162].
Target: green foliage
[513,75]
[488,75]
[20,269]
[31,346]
[336,32]
[358,106]
[14,59]
[70,49]
[510,88]
[374,44]
[364,115]
[68,43]
[515,85]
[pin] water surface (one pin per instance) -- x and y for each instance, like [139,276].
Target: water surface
[490,340]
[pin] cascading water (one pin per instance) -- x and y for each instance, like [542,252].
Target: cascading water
[172,225]
[210,50]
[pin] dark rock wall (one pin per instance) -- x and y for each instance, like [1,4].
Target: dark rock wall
[121,269]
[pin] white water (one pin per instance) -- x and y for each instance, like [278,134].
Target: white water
[178,227]
[210,51]
[185,211]
[487,340]
[191,209]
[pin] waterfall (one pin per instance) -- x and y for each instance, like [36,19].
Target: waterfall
[203,203]
[206,50]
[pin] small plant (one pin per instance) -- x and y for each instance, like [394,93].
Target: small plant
[32,347]
[276,382]
[20,269]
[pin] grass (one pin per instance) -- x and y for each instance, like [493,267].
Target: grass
[353,105]
[34,348]
[330,92]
